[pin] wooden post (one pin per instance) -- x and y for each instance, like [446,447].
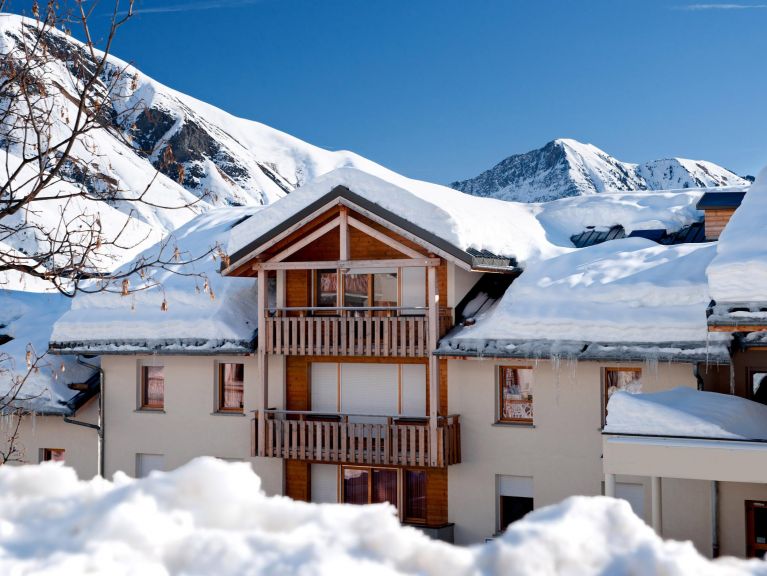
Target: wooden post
[262,382]
[655,495]
[433,363]
[344,243]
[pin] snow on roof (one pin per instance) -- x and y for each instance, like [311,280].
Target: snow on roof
[739,271]
[527,232]
[27,317]
[628,291]
[169,523]
[222,318]
[686,412]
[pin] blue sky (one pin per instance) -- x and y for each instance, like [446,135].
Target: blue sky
[443,89]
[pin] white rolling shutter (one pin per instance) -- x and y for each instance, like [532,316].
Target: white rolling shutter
[633,494]
[413,289]
[520,486]
[414,390]
[324,483]
[369,389]
[324,384]
[147,463]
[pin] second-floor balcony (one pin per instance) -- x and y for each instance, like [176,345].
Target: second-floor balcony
[359,439]
[351,331]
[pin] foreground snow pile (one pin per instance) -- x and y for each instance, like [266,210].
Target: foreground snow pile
[687,412]
[739,271]
[210,517]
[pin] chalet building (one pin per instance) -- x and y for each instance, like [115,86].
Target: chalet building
[440,352]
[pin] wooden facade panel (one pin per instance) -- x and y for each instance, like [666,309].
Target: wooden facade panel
[297,288]
[297,385]
[326,247]
[436,497]
[715,221]
[298,480]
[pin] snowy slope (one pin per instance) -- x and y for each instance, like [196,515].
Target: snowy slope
[566,167]
[211,517]
[213,155]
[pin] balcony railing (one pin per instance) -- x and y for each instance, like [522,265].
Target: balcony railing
[359,439]
[376,331]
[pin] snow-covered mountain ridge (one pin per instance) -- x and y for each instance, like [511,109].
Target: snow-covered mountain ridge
[566,167]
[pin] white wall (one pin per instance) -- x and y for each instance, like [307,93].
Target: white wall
[189,426]
[561,451]
[80,443]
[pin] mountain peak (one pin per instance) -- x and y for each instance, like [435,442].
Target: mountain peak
[566,167]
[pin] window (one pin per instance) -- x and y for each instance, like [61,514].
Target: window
[148,463]
[619,379]
[415,496]
[231,384]
[756,529]
[369,485]
[515,499]
[52,455]
[326,289]
[757,385]
[152,388]
[515,395]
[364,288]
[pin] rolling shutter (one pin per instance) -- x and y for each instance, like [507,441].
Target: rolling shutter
[369,389]
[414,390]
[324,384]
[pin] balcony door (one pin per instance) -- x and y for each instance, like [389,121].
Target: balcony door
[756,529]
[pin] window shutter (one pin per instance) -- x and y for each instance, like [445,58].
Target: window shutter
[413,289]
[324,483]
[520,486]
[324,386]
[369,389]
[414,390]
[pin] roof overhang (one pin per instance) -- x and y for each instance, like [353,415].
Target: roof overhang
[341,195]
[181,347]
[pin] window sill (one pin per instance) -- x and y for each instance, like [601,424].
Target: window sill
[513,425]
[150,410]
[226,413]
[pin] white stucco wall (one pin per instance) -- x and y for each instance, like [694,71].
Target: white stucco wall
[561,451]
[189,426]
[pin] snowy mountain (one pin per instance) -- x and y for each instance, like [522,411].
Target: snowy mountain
[566,167]
[199,150]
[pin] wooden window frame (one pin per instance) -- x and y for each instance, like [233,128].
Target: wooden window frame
[751,545]
[143,391]
[605,385]
[220,389]
[499,418]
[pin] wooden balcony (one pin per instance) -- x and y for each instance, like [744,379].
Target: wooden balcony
[359,439]
[350,332]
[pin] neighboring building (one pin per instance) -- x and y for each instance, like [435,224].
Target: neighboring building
[451,355]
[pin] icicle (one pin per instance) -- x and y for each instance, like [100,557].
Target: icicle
[164,305]
[125,287]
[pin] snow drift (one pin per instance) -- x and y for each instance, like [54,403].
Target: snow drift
[211,517]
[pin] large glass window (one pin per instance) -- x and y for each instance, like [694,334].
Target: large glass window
[231,386]
[152,393]
[415,495]
[756,529]
[326,294]
[515,499]
[356,486]
[356,289]
[515,390]
[366,288]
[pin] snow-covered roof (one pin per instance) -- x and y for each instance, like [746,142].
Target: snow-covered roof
[738,274]
[629,299]
[168,523]
[27,318]
[200,318]
[688,413]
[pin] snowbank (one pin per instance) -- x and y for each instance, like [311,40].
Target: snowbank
[739,271]
[687,412]
[219,316]
[211,517]
[629,291]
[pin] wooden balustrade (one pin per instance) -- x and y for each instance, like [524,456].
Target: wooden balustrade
[350,335]
[340,439]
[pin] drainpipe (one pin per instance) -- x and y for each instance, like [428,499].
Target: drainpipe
[714,519]
[698,377]
[99,426]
